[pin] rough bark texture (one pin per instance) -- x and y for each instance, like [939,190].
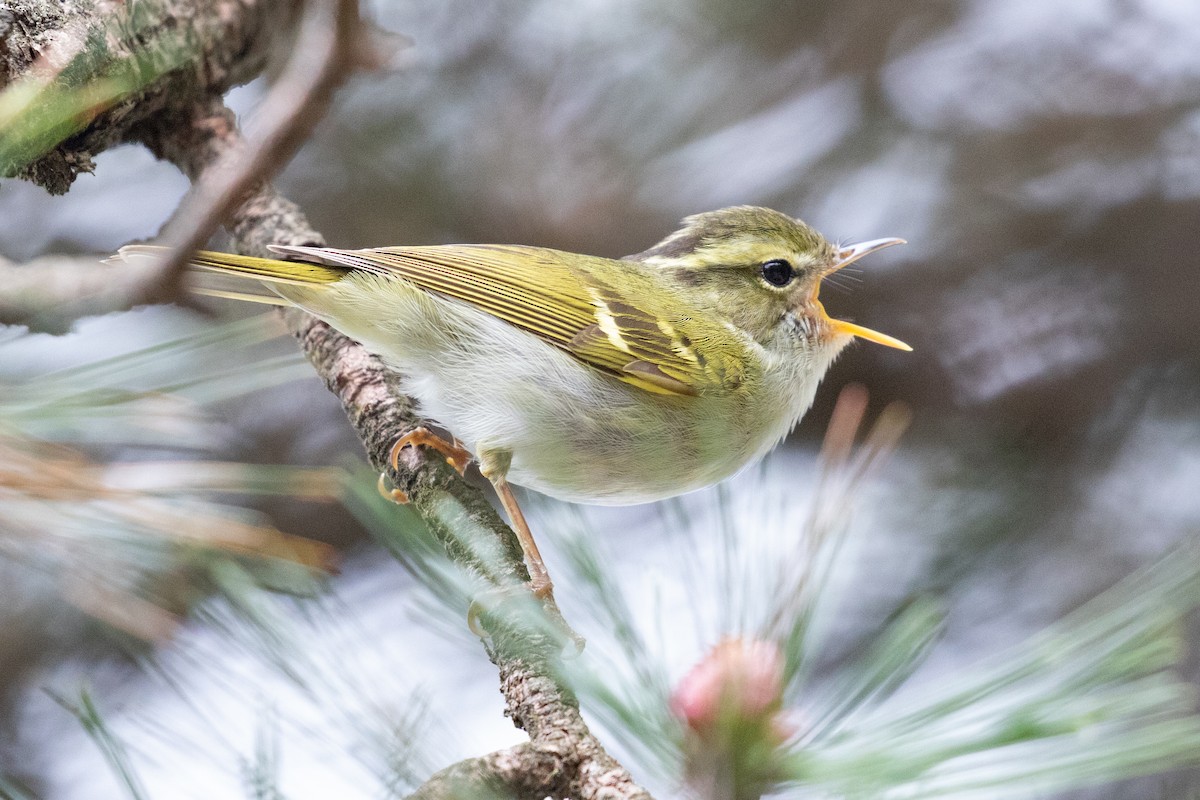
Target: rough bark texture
[179,115]
[184,48]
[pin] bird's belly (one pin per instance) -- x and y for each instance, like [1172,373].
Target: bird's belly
[593,439]
[615,464]
[647,448]
[598,440]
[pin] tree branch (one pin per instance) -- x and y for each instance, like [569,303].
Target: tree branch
[137,59]
[186,53]
[49,293]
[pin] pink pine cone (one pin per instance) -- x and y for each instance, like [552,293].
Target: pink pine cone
[739,679]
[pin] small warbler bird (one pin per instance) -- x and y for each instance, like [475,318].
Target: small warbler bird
[588,379]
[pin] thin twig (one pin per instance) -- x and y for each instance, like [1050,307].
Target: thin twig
[49,293]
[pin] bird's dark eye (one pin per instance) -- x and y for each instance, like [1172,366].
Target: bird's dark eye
[778,272]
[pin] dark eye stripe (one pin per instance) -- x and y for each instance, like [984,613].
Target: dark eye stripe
[778,272]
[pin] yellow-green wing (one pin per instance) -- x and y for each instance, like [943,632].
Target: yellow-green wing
[569,301]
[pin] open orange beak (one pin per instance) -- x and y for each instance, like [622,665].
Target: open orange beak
[846,256]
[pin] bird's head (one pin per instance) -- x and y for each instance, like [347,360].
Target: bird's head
[762,269]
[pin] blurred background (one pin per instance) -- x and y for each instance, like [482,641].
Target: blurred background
[1041,158]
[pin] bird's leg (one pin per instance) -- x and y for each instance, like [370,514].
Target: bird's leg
[456,455]
[494,467]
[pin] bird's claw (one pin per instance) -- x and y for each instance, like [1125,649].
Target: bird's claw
[456,456]
[397,496]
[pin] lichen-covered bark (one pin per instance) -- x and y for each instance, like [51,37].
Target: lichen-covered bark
[167,49]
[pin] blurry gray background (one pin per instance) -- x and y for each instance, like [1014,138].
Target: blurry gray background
[1042,157]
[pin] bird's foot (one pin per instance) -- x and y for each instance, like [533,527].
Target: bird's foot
[456,456]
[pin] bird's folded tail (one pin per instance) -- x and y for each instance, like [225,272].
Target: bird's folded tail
[229,274]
